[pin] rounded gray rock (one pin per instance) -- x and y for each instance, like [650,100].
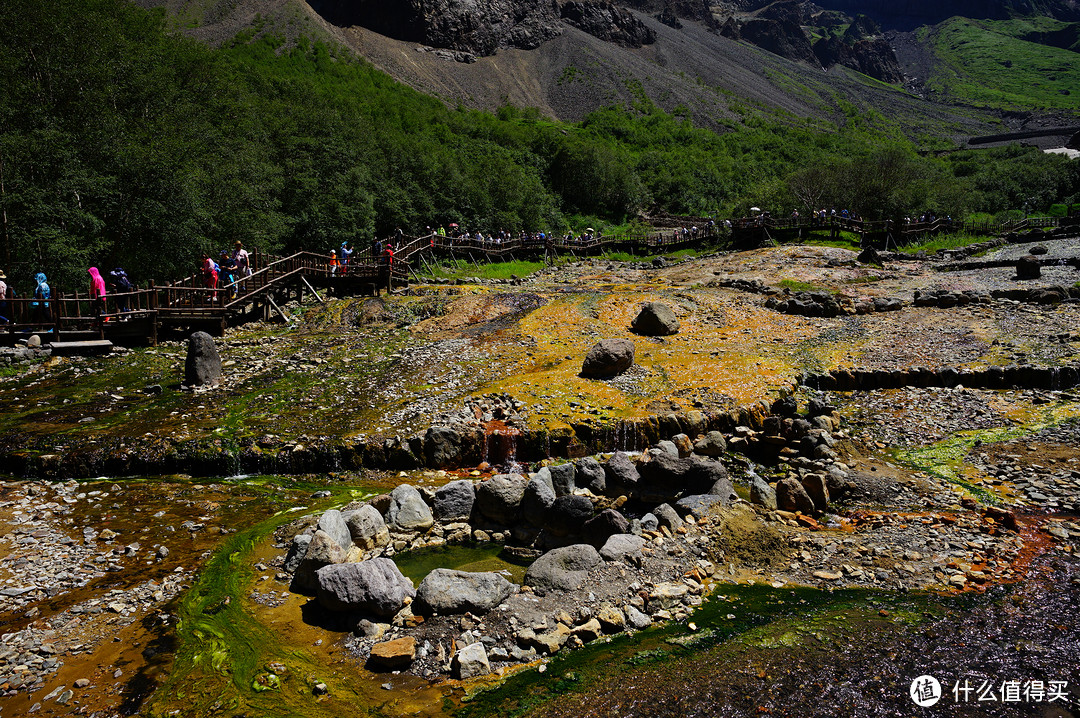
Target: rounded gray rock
[538,497]
[373,586]
[622,476]
[454,501]
[408,511]
[563,569]
[562,479]
[608,358]
[619,546]
[589,474]
[446,591]
[761,493]
[321,551]
[712,444]
[655,319]
[568,514]
[499,498]
[367,528]
[333,523]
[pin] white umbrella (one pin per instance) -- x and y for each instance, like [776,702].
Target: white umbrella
[755,209]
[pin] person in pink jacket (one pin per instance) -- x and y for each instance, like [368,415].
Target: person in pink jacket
[97,291]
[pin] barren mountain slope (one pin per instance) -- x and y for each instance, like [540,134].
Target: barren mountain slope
[712,77]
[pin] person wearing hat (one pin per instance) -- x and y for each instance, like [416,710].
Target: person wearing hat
[333,263]
[242,259]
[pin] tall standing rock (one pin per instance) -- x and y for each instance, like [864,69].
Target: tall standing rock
[608,358]
[203,365]
[792,496]
[1027,267]
[408,511]
[655,319]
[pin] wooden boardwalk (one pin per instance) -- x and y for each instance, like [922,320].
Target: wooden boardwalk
[142,315]
[179,308]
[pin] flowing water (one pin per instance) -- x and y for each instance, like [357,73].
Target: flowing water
[753,649]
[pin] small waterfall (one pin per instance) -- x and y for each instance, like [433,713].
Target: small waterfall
[501,445]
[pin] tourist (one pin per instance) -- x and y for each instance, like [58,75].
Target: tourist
[230,273]
[242,259]
[97,292]
[210,275]
[3,299]
[333,263]
[121,286]
[40,306]
[346,252]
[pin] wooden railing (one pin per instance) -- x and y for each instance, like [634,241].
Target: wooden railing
[902,232]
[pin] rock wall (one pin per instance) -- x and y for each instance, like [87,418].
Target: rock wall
[608,22]
[480,27]
[1009,377]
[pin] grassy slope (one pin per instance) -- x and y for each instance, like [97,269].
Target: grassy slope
[988,63]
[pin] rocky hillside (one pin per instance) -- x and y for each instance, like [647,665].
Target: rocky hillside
[707,61]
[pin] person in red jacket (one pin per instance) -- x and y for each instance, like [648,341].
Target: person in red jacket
[97,291]
[210,275]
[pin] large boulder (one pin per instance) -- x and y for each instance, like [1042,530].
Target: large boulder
[321,551]
[609,521]
[333,524]
[655,319]
[297,548]
[367,528]
[621,474]
[408,511]
[538,497]
[562,479]
[1027,267]
[471,661]
[792,496]
[608,358]
[619,546]
[568,514]
[203,364]
[374,586]
[665,477]
[454,501]
[446,591]
[713,444]
[499,498]
[761,493]
[589,474]
[563,569]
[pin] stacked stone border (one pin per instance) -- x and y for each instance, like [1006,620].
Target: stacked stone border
[1022,376]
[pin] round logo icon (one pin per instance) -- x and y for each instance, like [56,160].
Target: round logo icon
[925,691]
